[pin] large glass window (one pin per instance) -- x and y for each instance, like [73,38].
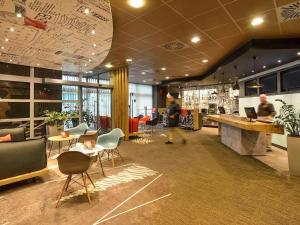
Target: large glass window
[140,99]
[9,110]
[290,79]
[14,90]
[269,84]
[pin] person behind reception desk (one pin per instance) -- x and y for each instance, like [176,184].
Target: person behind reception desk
[173,117]
[266,111]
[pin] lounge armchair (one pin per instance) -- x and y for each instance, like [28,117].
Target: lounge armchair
[110,142]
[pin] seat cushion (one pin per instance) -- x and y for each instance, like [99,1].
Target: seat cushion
[6,138]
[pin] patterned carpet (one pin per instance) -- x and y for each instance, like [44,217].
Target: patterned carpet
[200,183]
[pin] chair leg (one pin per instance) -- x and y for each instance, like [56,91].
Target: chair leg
[100,161]
[68,182]
[86,188]
[117,150]
[50,149]
[112,159]
[63,190]
[90,179]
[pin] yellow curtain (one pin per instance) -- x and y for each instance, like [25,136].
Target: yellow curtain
[120,119]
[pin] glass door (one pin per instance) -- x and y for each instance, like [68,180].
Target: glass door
[89,107]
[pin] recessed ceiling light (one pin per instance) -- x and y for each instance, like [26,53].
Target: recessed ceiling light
[95,45]
[144,81]
[143,73]
[167,78]
[2,47]
[93,32]
[85,64]
[12,29]
[157,83]
[19,15]
[108,65]
[163,68]
[87,11]
[195,39]
[257,21]
[186,75]
[93,53]
[6,39]
[252,71]
[38,64]
[90,60]
[128,60]
[298,53]
[279,61]
[136,3]
[10,60]
[205,60]
[264,67]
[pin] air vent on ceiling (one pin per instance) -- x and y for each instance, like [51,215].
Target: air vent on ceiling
[289,12]
[174,45]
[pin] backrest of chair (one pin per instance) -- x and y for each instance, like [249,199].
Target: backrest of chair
[118,134]
[73,162]
[80,129]
[115,136]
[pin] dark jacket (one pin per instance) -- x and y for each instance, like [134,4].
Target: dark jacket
[266,109]
[173,109]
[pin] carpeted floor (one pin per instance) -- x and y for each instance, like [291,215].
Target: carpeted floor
[202,182]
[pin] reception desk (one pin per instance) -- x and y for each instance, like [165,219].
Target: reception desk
[242,136]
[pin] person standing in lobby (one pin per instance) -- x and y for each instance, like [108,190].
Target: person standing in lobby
[266,110]
[173,116]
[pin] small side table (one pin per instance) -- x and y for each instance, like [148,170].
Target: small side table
[60,140]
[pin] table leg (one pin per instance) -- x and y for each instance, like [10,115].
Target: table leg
[50,149]
[100,161]
[59,146]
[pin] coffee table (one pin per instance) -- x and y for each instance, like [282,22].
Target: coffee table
[59,139]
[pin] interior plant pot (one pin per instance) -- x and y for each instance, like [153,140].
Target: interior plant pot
[53,131]
[293,149]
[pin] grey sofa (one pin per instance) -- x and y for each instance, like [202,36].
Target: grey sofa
[21,159]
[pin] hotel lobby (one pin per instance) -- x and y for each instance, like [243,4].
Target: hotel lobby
[158,112]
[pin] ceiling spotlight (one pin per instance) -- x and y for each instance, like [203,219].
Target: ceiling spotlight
[167,78]
[186,74]
[93,32]
[6,39]
[143,73]
[136,3]
[298,53]
[157,83]
[12,29]
[38,64]
[195,39]
[205,60]
[85,64]
[144,81]
[18,14]
[128,60]
[163,68]
[264,67]
[252,71]
[108,65]
[279,61]
[2,47]
[90,60]
[10,60]
[94,45]
[257,21]
[93,53]
[87,11]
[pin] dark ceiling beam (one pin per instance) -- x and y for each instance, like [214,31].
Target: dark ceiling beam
[285,43]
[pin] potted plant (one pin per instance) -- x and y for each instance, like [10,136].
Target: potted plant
[55,121]
[289,118]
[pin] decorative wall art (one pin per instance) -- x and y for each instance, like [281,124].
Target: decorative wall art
[55,34]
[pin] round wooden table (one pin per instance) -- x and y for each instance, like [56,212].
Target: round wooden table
[59,139]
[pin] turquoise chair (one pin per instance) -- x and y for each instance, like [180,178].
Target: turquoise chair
[78,130]
[110,142]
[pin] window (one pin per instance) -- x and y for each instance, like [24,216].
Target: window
[290,79]
[140,99]
[9,110]
[269,84]
[14,90]
[249,90]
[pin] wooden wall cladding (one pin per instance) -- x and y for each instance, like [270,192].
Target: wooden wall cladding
[120,118]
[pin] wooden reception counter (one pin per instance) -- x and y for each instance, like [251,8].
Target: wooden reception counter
[244,137]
